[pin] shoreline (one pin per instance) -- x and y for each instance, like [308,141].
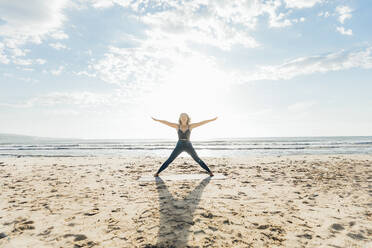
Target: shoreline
[184,155]
[266,201]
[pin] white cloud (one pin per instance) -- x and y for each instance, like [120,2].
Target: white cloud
[217,23]
[19,52]
[301,3]
[25,79]
[302,19]
[277,20]
[324,14]
[85,73]
[172,28]
[19,61]
[58,71]
[58,46]
[40,61]
[105,3]
[301,106]
[16,56]
[78,99]
[344,31]
[31,22]
[74,98]
[135,69]
[344,13]
[26,22]
[138,70]
[145,73]
[59,35]
[337,61]
[3,57]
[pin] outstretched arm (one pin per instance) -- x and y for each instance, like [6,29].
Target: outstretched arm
[171,124]
[202,123]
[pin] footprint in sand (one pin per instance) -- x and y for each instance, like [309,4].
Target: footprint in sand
[306,236]
[357,236]
[78,237]
[337,227]
[46,231]
[80,240]
[21,224]
[94,211]
[261,227]
[207,215]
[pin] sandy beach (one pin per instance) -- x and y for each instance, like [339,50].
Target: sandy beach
[291,201]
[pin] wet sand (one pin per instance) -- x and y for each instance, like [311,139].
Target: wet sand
[291,201]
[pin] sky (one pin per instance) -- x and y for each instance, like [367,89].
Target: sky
[102,68]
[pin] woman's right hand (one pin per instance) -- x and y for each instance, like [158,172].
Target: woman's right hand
[154,118]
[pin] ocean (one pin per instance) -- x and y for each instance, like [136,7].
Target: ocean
[14,145]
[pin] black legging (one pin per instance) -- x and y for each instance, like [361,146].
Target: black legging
[183,145]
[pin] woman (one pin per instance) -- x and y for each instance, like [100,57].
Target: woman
[184,129]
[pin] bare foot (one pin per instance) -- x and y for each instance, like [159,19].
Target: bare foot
[156,175]
[211,174]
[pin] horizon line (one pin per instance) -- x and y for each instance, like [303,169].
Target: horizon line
[247,137]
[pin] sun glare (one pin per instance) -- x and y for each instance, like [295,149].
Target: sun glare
[194,86]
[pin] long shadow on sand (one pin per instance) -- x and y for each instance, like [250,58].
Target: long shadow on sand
[176,215]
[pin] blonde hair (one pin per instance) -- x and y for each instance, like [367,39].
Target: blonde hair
[188,118]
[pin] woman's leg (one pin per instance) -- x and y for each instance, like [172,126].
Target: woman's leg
[177,150]
[190,150]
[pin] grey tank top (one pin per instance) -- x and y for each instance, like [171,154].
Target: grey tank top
[184,135]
